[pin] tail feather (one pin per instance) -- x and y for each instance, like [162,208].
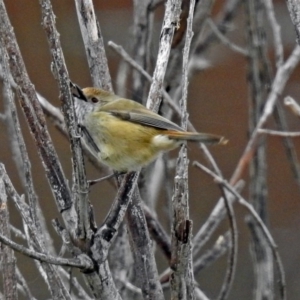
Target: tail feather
[196,137]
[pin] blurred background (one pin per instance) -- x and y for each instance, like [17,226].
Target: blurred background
[218,103]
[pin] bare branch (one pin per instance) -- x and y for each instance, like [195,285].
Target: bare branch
[142,250]
[143,18]
[120,50]
[171,20]
[6,254]
[279,133]
[80,185]
[182,279]
[50,273]
[157,232]
[293,6]
[282,75]
[292,105]
[225,40]
[82,262]
[34,114]
[276,30]
[214,219]
[21,156]
[220,247]
[23,285]
[251,210]
[93,43]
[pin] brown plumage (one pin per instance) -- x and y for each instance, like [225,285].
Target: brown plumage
[126,135]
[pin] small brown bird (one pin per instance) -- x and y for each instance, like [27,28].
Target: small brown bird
[124,134]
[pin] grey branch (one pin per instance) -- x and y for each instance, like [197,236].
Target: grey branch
[82,262]
[93,43]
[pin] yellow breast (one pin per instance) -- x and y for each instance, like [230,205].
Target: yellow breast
[126,146]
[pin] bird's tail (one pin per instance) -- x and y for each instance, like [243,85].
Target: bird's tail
[205,138]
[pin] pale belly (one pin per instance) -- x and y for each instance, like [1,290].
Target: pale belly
[121,160]
[126,146]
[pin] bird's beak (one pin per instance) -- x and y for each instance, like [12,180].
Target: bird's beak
[77,92]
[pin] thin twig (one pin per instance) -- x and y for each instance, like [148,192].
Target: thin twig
[225,40]
[213,221]
[7,257]
[182,279]
[259,80]
[22,159]
[93,43]
[251,210]
[293,7]
[221,246]
[80,186]
[48,272]
[157,232]
[83,262]
[226,16]
[233,229]
[142,249]
[126,57]
[232,261]
[170,22]
[276,30]
[279,133]
[292,105]
[24,285]
[282,75]
[141,42]
[34,114]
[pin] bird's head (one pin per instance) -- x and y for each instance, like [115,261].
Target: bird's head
[92,95]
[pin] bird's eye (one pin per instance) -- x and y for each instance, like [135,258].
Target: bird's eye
[94,100]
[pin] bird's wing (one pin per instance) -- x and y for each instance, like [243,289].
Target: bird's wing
[89,140]
[132,111]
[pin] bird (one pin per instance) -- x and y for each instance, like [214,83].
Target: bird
[124,134]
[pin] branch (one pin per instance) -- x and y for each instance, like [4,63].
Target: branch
[279,133]
[282,75]
[80,185]
[214,219]
[142,250]
[182,278]
[226,16]
[82,262]
[292,105]
[48,272]
[259,80]
[7,258]
[157,232]
[105,234]
[170,22]
[225,40]
[276,30]
[265,231]
[34,114]
[293,7]
[23,286]
[120,50]
[21,157]
[233,229]
[220,247]
[93,43]
[143,19]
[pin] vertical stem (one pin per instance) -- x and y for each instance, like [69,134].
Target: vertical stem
[80,186]
[259,78]
[182,277]
[7,256]
[93,43]
[171,20]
